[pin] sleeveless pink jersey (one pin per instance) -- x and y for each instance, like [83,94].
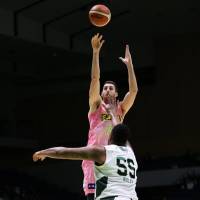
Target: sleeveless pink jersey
[100,128]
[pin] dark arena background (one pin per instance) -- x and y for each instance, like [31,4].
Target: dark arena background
[45,64]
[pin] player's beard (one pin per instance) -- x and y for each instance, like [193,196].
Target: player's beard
[107,99]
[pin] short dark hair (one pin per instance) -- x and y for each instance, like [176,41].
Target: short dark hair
[120,135]
[112,82]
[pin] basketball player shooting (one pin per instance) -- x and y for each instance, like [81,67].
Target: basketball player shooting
[103,107]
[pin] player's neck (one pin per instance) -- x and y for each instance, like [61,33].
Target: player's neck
[106,101]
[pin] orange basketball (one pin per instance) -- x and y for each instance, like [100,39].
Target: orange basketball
[99,15]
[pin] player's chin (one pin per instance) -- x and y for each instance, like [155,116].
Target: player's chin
[104,97]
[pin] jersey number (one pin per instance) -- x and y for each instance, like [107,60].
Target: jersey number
[126,167]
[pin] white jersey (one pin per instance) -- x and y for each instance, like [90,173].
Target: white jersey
[117,176]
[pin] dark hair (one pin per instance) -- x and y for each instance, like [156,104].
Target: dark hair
[112,82]
[120,135]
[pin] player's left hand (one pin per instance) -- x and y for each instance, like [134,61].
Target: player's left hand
[38,156]
[127,59]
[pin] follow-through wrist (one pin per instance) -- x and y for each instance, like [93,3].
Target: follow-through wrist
[96,51]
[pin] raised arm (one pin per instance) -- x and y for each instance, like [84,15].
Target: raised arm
[94,92]
[133,88]
[95,153]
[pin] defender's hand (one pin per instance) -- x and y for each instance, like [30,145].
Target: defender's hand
[38,156]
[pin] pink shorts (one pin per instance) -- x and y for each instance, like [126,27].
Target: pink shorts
[89,179]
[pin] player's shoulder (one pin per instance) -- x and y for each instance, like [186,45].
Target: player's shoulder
[116,148]
[111,147]
[95,107]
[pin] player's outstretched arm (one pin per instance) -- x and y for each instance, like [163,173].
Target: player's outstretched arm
[95,153]
[94,92]
[133,88]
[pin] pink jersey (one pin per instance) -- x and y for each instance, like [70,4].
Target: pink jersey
[99,133]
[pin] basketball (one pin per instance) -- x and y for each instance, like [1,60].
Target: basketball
[99,15]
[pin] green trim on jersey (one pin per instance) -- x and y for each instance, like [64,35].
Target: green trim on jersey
[101,185]
[123,148]
[109,198]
